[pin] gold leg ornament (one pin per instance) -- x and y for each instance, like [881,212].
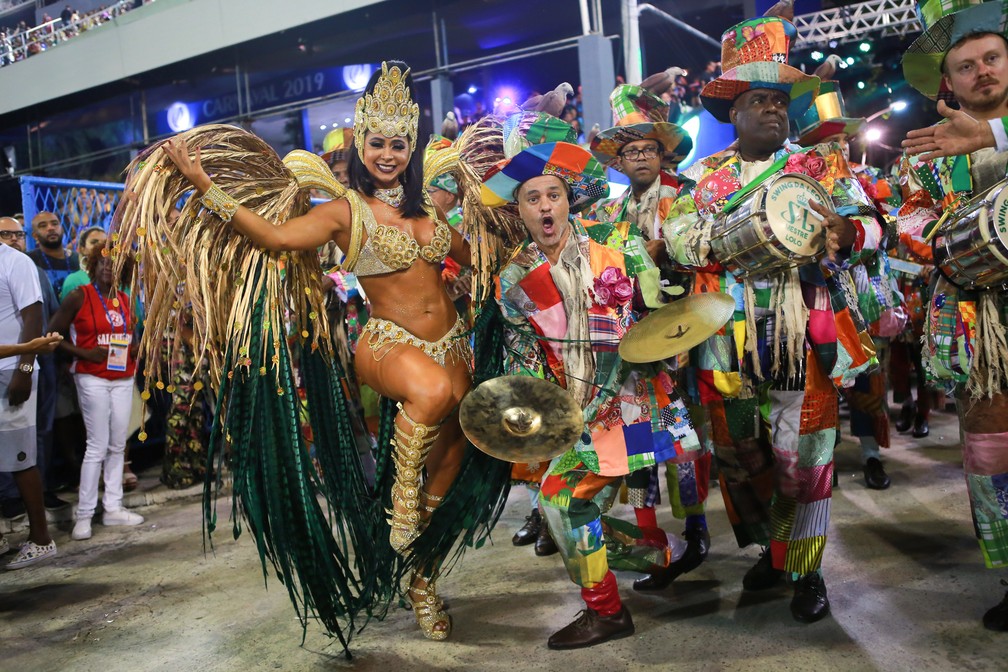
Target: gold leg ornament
[409,450]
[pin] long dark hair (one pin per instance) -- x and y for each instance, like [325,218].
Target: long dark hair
[412,177]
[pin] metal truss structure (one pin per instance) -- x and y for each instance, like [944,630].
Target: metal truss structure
[856,23]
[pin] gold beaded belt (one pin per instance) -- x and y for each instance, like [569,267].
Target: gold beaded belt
[383,335]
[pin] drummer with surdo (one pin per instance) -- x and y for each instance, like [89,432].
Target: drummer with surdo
[965,329]
[793,338]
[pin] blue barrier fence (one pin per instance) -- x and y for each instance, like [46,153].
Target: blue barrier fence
[79,204]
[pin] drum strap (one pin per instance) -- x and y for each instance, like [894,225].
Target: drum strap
[748,189]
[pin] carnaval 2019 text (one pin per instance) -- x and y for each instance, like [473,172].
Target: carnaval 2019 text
[267,95]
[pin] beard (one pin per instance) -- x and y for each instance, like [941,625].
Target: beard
[51,244]
[984,102]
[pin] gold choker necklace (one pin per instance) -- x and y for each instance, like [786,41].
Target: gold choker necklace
[392,197]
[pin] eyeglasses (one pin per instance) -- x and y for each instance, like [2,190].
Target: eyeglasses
[11,235]
[638,154]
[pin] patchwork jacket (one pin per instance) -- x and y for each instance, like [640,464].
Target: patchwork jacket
[634,417]
[834,328]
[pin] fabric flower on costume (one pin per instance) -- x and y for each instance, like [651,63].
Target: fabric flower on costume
[813,166]
[612,288]
[816,167]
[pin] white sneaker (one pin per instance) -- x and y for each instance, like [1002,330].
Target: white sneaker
[81,529]
[121,517]
[31,553]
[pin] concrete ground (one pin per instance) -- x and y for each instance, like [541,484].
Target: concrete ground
[904,573]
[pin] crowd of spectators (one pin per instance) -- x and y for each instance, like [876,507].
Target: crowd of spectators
[19,42]
[81,398]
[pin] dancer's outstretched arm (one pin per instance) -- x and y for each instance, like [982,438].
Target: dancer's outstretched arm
[307,232]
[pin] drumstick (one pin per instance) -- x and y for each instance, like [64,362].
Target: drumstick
[819,218]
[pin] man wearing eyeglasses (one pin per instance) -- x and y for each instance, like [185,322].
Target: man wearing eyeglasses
[640,143]
[50,255]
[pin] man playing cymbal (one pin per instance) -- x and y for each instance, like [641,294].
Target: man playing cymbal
[568,295]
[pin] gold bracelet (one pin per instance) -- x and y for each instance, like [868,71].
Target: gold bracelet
[216,201]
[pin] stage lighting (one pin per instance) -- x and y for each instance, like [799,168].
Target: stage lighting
[873,135]
[865,47]
[471,90]
[850,60]
[898,105]
[860,85]
[817,55]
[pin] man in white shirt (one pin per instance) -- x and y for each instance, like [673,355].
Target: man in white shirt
[21,321]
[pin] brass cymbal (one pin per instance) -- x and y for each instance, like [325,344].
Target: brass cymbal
[676,327]
[521,419]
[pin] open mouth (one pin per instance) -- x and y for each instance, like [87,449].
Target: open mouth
[383,168]
[548,226]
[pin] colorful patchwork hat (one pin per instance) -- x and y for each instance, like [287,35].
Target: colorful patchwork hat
[639,115]
[754,55]
[947,22]
[336,144]
[826,117]
[444,181]
[541,144]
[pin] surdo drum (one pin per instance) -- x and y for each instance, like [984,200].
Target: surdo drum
[771,228]
[971,246]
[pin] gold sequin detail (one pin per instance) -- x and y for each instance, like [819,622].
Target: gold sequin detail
[388,111]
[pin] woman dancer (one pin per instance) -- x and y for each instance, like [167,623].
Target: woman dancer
[410,350]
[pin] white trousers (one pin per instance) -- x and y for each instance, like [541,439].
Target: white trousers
[106,406]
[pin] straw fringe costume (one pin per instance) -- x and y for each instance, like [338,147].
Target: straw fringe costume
[769,379]
[322,529]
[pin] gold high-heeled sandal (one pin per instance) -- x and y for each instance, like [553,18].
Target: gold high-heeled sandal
[429,611]
[409,451]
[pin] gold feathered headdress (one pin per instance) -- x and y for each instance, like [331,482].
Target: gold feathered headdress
[388,111]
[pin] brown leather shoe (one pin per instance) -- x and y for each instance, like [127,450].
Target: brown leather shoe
[589,629]
[544,544]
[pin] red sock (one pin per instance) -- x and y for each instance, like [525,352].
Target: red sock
[603,597]
[646,517]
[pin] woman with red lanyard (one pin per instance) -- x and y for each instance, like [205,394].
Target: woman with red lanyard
[98,318]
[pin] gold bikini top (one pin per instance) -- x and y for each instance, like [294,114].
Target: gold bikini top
[388,249]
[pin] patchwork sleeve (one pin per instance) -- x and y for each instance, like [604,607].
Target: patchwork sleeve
[687,234]
[921,205]
[522,354]
[850,200]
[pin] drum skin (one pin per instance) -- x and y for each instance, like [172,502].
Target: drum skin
[971,247]
[771,228]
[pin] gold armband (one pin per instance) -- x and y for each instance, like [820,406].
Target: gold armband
[219,203]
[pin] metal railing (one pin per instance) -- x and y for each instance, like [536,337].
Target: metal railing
[21,45]
[854,23]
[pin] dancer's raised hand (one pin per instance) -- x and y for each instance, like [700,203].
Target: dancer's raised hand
[190,166]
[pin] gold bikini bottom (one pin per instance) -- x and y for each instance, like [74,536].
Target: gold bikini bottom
[383,335]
